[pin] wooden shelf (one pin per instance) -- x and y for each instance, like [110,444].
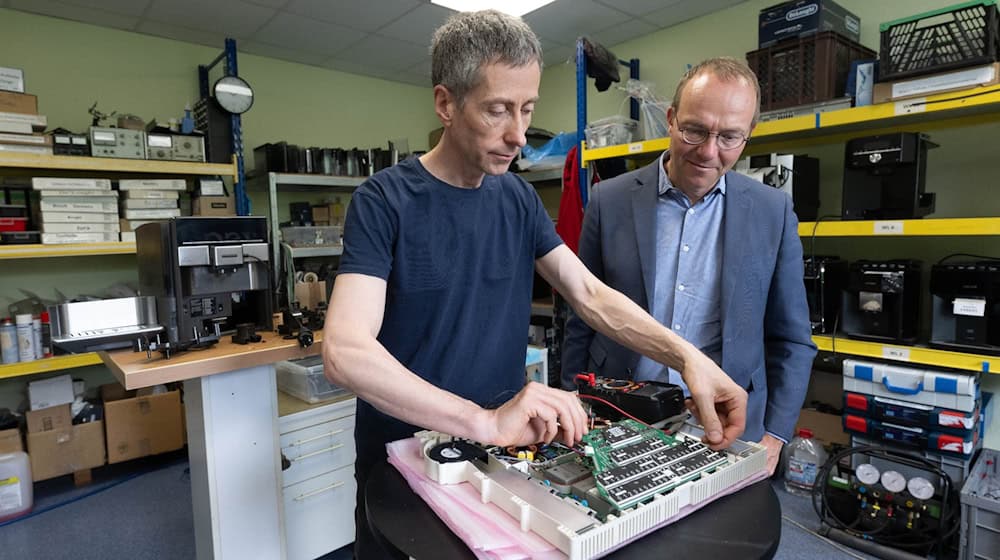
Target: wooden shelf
[909,354]
[56,363]
[958,108]
[38,251]
[896,228]
[92,164]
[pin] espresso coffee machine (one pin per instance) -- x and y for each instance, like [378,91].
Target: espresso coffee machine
[882,300]
[965,306]
[884,177]
[796,176]
[208,274]
[825,277]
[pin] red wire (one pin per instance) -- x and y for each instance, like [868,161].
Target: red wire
[599,399]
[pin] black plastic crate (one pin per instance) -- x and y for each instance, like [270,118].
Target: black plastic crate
[953,37]
[805,70]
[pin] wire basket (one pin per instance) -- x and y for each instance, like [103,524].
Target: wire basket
[945,39]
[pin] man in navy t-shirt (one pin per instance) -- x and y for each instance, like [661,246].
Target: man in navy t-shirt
[428,318]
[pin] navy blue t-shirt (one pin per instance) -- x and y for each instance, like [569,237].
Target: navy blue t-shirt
[459,266]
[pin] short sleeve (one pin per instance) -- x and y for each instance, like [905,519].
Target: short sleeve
[369,234]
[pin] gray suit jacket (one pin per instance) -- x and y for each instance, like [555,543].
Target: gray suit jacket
[767,346]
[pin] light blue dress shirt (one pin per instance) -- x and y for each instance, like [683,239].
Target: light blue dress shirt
[687,287]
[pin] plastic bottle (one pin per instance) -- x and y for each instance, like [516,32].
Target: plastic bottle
[8,341]
[25,337]
[805,458]
[16,496]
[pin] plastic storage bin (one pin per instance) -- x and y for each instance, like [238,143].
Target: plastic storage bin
[312,236]
[610,131]
[304,379]
[980,499]
[953,37]
[805,70]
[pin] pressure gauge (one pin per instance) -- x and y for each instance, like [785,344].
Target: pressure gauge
[233,94]
[867,473]
[920,488]
[893,481]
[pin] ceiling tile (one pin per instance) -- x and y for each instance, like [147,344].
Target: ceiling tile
[417,26]
[685,10]
[281,53]
[385,52]
[269,3]
[416,79]
[126,7]
[75,13]
[623,32]
[640,7]
[564,25]
[360,68]
[300,33]
[178,33]
[557,55]
[227,18]
[356,14]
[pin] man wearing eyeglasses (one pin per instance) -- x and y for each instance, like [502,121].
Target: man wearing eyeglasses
[711,254]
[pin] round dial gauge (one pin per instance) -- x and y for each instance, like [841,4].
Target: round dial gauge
[233,94]
[921,488]
[893,481]
[867,473]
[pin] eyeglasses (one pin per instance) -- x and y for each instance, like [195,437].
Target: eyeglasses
[726,140]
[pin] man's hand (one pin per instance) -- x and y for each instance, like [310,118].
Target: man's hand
[717,402]
[773,446]
[537,414]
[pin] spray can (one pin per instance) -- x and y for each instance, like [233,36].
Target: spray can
[46,335]
[25,337]
[36,334]
[8,341]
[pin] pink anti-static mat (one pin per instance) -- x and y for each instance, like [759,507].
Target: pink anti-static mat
[486,529]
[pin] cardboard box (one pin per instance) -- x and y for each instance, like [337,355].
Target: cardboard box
[66,450]
[941,82]
[141,426]
[10,441]
[827,428]
[213,206]
[801,18]
[48,419]
[49,392]
[21,103]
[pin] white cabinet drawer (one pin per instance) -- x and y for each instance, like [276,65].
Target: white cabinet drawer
[318,449]
[319,514]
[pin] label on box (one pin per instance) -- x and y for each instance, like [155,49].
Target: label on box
[888,228]
[896,353]
[12,79]
[969,307]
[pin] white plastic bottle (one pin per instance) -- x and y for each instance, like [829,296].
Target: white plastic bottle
[16,496]
[806,457]
[25,337]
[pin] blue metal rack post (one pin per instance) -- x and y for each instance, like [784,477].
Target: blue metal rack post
[230,69]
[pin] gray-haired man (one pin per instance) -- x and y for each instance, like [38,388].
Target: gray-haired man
[428,315]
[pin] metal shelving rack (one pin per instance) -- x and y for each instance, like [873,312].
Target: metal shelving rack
[231,69]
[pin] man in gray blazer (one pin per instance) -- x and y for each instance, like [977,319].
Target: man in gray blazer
[711,254]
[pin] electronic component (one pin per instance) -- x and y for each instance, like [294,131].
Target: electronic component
[884,177]
[648,401]
[588,503]
[175,147]
[117,143]
[66,143]
[965,306]
[825,277]
[882,300]
[795,175]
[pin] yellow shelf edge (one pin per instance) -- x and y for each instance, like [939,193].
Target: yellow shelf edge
[37,251]
[633,149]
[909,354]
[902,228]
[69,361]
[83,163]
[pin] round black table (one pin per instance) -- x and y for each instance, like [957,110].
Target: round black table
[743,525]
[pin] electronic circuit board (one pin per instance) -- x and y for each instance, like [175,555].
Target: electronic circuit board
[624,479]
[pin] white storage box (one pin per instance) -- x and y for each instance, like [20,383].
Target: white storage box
[610,132]
[304,379]
[923,386]
[981,510]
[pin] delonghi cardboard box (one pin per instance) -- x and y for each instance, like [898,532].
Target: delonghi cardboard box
[800,18]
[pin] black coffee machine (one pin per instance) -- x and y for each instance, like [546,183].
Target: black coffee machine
[208,275]
[884,177]
[882,300]
[965,306]
[825,277]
